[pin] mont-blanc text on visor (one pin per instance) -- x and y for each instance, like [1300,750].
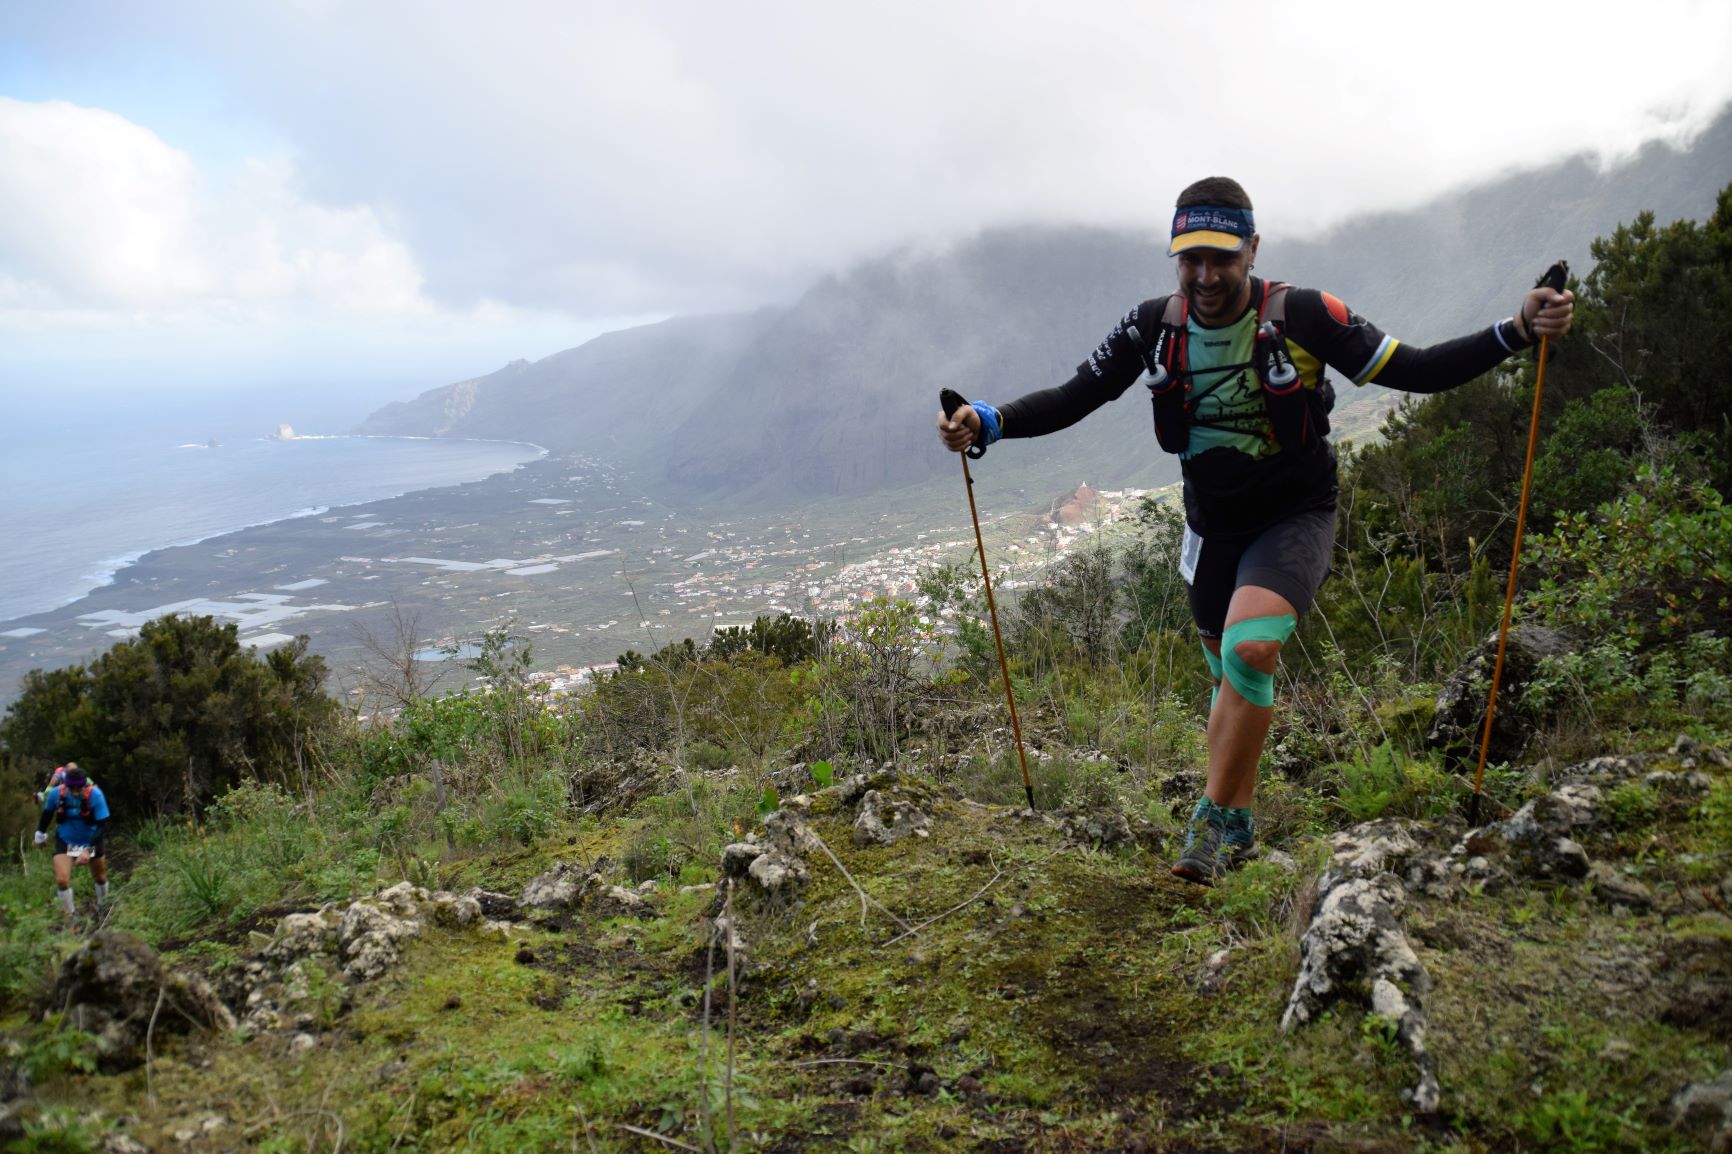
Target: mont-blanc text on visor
[1211,226]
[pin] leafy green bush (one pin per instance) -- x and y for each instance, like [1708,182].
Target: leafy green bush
[688,828]
[58,1130]
[1390,782]
[525,808]
[789,639]
[55,1048]
[1631,805]
[1715,814]
[1654,565]
[30,921]
[172,718]
[1578,1122]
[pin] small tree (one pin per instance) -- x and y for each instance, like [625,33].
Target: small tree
[785,637]
[394,670]
[177,715]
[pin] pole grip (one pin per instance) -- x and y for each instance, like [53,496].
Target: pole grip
[950,401]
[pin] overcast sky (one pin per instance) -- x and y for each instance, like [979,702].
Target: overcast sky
[380,197]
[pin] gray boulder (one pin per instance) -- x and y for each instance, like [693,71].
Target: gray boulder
[1616,888]
[775,864]
[371,935]
[302,936]
[780,876]
[1703,1110]
[1357,948]
[1101,828]
[114,986]
[619,902]
[456,911]
[1460,717]
[1536,842]
[885,821]
[560,888]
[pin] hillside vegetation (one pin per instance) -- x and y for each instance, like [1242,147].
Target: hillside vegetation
[778,891]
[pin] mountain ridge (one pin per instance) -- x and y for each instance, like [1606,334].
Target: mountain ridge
[834,395]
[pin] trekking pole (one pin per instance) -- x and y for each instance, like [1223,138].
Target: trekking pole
[1554,279]
[951,401]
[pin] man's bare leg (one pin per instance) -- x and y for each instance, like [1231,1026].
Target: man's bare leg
[63,882]
[1237,728]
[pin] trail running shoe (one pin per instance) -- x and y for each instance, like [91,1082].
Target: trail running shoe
[1238,843]
[1200,860]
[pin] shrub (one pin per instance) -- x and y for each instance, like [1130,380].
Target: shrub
[172,718]
[1391,782]
[55,1048]
[27,947]
[1654,565]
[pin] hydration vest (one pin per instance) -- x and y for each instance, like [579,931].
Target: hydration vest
[61,808]
[1298,416]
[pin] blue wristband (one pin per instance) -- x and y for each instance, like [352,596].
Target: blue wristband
[989,430]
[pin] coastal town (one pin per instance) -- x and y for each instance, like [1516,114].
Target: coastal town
[732,580]
[564,553]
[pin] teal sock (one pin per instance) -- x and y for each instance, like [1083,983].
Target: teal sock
[1239,825]
[1208,811]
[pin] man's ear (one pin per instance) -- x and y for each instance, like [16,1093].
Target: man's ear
[1255,237]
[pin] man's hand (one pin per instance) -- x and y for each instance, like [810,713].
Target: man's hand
[961,432]
[41,838]
[1545,312]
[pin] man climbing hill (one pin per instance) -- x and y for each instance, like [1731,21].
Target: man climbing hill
[80,813]
[1235,370]
[54,779]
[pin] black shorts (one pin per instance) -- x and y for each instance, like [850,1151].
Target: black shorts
[60,847]
[1290,557]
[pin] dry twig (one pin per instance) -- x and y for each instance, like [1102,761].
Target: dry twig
[864,896]
[704,1037]
[663,1138]
[846,1062]
[408,1119]
[588,1134]
[998,873]
[149,1035]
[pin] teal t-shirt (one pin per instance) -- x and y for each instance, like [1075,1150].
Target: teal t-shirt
[1230,410]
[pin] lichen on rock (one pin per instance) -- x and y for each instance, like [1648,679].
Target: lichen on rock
[1356,946]
[887,820]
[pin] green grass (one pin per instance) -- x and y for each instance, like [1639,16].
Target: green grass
[1068,991]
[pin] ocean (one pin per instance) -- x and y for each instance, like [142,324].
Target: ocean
[74,509]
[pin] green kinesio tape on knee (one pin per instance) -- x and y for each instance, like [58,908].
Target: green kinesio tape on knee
[1214,660]
[1252,683]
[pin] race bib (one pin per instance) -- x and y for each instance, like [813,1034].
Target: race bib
[77,850]
[1189,551]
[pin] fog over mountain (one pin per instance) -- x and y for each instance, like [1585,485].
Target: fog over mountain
[835,395]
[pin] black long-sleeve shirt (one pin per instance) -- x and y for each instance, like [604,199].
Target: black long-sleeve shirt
[1227,491]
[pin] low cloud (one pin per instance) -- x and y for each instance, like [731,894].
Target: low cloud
[99,218]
